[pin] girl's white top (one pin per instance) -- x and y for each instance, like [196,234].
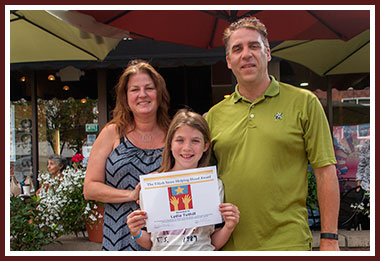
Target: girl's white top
[189,239]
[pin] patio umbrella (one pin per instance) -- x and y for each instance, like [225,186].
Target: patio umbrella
[204,28]
[37,35]
[329,57]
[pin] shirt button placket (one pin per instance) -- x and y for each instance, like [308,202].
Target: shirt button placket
[251,116]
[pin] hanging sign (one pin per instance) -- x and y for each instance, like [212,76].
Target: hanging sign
[91,127]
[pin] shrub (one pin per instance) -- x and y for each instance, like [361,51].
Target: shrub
[62,203]
[25,226]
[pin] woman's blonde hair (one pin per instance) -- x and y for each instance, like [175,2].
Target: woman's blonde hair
[122,115]
[184,117]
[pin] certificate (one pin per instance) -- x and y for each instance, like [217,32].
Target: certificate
[180,199]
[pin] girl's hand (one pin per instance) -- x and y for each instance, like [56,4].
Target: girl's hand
[230,213]
[136,221]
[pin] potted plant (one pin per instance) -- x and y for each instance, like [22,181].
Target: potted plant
[94,213]
[94,210]
[62,203]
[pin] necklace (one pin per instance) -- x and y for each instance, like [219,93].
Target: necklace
[146,138]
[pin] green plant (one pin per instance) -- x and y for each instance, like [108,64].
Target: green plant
[312,198]
[364,206]
[25,226]
[62,202]
[93,215]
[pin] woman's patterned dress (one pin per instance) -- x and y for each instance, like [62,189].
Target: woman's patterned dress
[124,166]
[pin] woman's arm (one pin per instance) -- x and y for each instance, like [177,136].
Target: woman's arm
[94,187]
[231,217]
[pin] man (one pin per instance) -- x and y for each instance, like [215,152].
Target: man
[263,137]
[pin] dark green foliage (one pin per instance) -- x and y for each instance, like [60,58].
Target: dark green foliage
[312,198]
[25,231]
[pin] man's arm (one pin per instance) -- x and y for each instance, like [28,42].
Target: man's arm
[328,199]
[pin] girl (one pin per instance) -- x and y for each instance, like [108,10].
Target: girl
[187,146]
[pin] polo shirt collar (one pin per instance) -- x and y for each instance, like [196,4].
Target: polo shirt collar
[272,90]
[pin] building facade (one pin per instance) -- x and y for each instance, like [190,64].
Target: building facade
[61,111]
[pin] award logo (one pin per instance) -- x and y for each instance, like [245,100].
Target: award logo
[180,198]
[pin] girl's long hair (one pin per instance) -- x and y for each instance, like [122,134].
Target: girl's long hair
[184,117]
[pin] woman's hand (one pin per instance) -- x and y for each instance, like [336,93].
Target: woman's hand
[135,194]
[231,215]
[136,221]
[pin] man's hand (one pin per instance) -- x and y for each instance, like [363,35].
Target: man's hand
[328,245]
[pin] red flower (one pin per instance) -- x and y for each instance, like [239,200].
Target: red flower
[77,158]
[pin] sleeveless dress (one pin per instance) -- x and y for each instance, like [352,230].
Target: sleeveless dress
[123,167]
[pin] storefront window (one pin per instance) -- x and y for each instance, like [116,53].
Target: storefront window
[67,120]
[62,126]
[351,131]
[21,140]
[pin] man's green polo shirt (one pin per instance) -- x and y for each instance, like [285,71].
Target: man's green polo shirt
[262,150]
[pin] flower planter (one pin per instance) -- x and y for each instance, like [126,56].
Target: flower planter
[95,231]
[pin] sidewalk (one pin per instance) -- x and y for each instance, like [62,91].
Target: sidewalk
[348,241]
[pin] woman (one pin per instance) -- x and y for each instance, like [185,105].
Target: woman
[56,164]
[129,145]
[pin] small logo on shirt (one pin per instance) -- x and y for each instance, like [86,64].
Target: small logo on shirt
[278,116]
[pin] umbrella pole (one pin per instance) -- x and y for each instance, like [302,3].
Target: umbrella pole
[33,87]
[330,114]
